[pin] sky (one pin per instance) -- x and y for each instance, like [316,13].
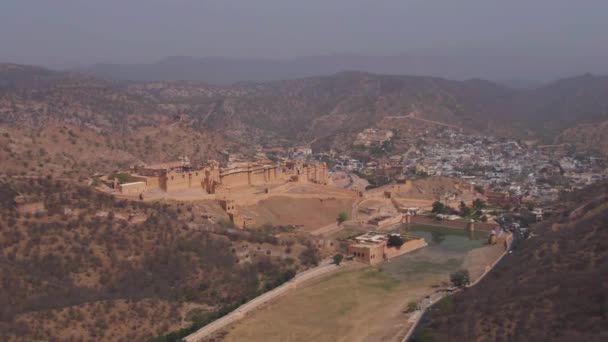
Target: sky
[80,32]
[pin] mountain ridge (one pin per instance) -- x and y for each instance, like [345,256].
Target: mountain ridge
[459,66]
[327,110]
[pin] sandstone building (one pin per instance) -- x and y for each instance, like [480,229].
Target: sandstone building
[372,248]
[181,175]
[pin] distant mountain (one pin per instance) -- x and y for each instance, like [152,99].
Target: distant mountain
[511,70]
[326,111]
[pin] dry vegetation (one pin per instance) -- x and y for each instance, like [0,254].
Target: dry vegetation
[553,287]
[76,265]
[328,110]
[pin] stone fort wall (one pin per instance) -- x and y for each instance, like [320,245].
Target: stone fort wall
[408,246]
[175,176]
[483,226]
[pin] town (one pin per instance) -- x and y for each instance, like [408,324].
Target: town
[508,170]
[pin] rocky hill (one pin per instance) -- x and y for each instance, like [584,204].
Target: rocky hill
[78,265]
[324,111]
[329,111]
[57,123]
[554,286]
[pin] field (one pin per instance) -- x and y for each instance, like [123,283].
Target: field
[361,304]
[309,213]
[356,305]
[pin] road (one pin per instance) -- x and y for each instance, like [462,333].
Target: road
[324,268]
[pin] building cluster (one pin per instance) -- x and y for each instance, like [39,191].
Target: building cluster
[373,247]
[373,137]
[509,171]
[212,177]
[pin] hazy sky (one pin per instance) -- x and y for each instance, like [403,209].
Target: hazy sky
[68,32]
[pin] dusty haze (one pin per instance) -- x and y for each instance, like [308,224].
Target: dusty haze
[520,39]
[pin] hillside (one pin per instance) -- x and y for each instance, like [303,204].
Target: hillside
[570,101]
[325,111]
[560,295]
[80,265]
[64,124]
[329,111]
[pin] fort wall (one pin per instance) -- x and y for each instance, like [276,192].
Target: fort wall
[453,224]
[408,246]
[133,188]
[235,178]
[179,180]
[369,254]
[388,221]
[180,175]
[152,183]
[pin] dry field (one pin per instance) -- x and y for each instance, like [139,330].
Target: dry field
[310,213]
[365,304]
[360,305]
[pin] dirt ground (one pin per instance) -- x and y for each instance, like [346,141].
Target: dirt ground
[360,305]
[345,180]
[310,213]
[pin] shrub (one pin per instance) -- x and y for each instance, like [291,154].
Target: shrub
[395,241]
[338,259]
[412,306]
[343,216]
[460,278]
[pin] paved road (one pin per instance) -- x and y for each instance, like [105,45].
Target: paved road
[240,312]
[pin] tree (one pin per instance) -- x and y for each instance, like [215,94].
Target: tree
[438,207]
[460,278]
[478,204]
[309,256]
[287,276]
[412,306]
[395,241]
[338,259]
[343,216]
[464,210]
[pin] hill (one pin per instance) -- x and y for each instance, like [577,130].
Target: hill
[502,67]
[76,264]
[63,124]
[327,111]
[561,294]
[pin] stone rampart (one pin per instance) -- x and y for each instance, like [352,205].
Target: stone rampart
[452,224]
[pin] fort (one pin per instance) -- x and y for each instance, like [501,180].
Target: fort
[240,181]
[211,178]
